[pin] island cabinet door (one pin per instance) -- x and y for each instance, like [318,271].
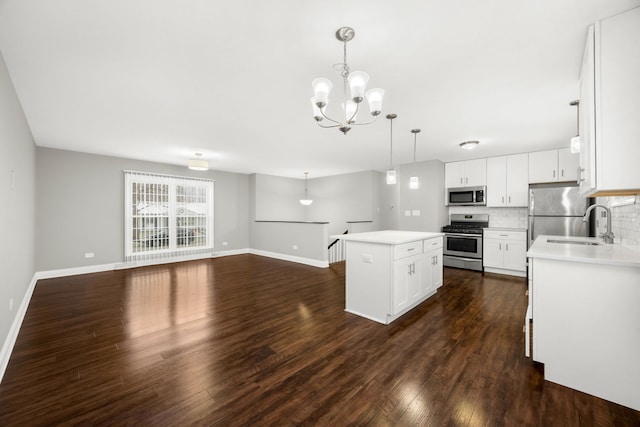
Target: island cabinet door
[409,273]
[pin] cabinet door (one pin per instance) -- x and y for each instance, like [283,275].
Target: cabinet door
[454,174]
[475,172]
[587,178]
[492,253]
[403,270]
[517,180]
[436,268]
[497,181]
[515,255]
[568,164]
[543,166]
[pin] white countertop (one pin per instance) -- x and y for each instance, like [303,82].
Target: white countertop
[622,255]
[388,237]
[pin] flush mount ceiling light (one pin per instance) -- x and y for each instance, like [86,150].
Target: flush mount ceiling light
[575,141]
[414,182]
[469,145]
[198,164]
[306,201]
[357,83]
[391,173]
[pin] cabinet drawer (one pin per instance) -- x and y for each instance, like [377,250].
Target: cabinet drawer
[407,249]
[432,244]
[505,235]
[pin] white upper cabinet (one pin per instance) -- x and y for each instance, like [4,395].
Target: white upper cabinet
[468,173]
[507,181]
[553,166]
[609,106]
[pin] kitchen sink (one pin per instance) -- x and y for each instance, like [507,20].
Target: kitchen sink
[574,242]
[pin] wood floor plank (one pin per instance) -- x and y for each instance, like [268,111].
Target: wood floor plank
[249,340]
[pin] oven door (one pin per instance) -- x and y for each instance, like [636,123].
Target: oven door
[464,245]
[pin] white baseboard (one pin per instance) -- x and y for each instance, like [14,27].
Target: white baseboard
[292,258]
[507,272]
[73,271]
[230,252]
[10,341]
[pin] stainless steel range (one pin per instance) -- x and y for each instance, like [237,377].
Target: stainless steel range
[463,241]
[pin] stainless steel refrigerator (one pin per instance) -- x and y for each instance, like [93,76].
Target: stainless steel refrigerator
[558,209]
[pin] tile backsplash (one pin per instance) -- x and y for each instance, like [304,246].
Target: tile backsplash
[625,219]
[498,217]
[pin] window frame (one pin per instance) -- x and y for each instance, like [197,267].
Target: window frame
[132,177]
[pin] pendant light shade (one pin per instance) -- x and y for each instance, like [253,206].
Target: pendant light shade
[575,141]
[414,182]
[198,164]
[391,172]
[306,201]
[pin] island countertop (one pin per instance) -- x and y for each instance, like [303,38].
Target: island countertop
[598,253]
[388,237]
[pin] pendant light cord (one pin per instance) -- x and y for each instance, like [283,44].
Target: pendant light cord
[391,145]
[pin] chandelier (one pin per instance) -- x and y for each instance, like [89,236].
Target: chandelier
[356,82]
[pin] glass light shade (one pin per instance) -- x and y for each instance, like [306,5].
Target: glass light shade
[198,165]
[414,183]
[358,83]
[575,144]
[391,176]
[306,202]
[468,145]
[374,96]
[350,110]
[317,113]
[321,89]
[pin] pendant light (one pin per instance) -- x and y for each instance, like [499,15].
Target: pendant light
[391,172]
[306,201]
[414,182]
[575,141]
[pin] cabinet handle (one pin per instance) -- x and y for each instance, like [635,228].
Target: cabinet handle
[507,246]
[466,180]
[554,173]
[561,172]
[461,182]
[502,199]
[509,199]
[411,249]
[499,246]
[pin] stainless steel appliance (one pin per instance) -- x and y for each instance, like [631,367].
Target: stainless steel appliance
[467,196]
[463,241]
[557,210]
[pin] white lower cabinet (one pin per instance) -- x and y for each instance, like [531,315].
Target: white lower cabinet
[384,281]
[505,251]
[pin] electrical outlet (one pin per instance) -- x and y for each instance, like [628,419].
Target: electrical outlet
[225,243]
[295,247]
[11,304]
[415,212]
[89,255]
[407,213]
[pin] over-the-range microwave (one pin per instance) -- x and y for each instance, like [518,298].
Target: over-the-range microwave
[467,196]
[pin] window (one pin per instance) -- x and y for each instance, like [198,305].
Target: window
[167,216]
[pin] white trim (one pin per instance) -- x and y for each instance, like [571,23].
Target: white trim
[12,336]
[219,254]
[292,258]
[505,271]
[74,271]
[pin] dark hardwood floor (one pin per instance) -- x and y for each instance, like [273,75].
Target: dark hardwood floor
[248,340]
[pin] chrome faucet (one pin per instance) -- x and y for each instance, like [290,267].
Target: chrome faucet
[608,236]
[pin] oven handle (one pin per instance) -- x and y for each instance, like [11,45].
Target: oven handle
[477,236]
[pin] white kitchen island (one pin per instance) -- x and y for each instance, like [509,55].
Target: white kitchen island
[583,300]
[390,272]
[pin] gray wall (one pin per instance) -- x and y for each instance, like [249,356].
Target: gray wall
[428,199]
[278,198]
[17,192]
[80,202]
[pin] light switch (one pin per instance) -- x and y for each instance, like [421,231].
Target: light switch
[407,213]
[368,258]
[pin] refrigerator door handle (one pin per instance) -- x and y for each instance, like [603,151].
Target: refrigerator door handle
[531,230]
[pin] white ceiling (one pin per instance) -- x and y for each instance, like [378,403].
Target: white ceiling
[162,79]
